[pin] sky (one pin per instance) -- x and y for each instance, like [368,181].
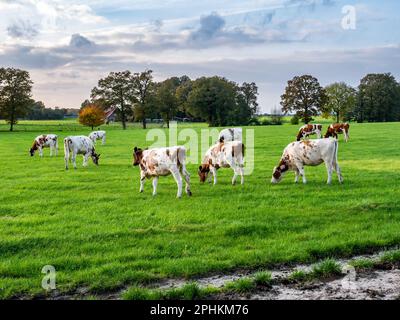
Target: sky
[68,45]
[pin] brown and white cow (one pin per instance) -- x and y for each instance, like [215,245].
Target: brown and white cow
[45,141]
[158,162]
[79,145]
[309,129]
[228,154]
[308,153]
[337,128]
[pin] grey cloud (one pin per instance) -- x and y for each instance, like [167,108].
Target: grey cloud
[22,29]
[77,41]
[210,26]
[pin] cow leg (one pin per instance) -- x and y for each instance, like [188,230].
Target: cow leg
[74,159]
[155,181]
[241,172]
[103,140]
[142,180]
[178,179]
[40,151]
[235,174]
[319,135]
[296,176]
[329,169]
[303,174]
[338,172]
[186,175]
[213,171]
[85,160]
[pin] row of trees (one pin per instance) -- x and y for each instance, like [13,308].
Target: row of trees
[216,100]
[138,97]
[377,99]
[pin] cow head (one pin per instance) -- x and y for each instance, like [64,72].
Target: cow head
[279,171]
[95,157]
[203,172]
[33,149]
[137,156]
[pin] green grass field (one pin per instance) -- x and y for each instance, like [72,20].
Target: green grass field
[94,227]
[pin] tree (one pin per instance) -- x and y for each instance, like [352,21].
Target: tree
[91,116]
[250,93]
[378,99]
[167,99]
[15,94]
[182,95]
[116,90]
[305,96]
[143,86]
[212,99]
[341,100]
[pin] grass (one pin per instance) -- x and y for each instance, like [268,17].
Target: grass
[262,278]
[326,269]
[94,227]
[241,285]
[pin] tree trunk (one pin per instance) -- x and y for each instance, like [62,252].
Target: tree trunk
[123,120]
[12,119]
[337,117]
[144,123]
[168,123]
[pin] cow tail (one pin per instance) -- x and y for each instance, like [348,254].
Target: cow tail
[299,135]
[243,148]
[335,159]
[66,148]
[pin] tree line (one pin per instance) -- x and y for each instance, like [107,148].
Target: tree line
[215,100]
[377,99]
[137,97]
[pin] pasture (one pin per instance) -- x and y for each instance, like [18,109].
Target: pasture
[99,233]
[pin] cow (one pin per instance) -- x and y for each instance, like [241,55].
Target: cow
[309,129]
[158,162]
[336,128]
[308,153]
[230,134]
[97,135]
[223,155]
[45,141]
[79,145]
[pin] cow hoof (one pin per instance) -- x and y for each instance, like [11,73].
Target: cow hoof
[189,193]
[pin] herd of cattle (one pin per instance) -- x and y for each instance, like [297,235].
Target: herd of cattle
[227,152]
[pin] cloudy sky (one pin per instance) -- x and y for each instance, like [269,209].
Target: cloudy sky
[67,45]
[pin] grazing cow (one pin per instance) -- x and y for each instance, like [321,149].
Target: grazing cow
[158,162]
[223,155]
[230,134]
[97,135]
[79,145]
[308,153]
[309,129]
[45,141]
[336,128]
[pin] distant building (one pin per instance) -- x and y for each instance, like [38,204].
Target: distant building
[110,115]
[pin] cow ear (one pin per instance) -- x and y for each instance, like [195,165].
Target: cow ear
[98,156]
[135,149]
[200,168]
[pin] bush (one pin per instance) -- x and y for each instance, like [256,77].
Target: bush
[295,120]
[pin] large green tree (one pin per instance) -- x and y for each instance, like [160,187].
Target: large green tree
[341,100]
[212,99]
[379,99]
[116,90]
[144,89]
[250,93]
[167,99]
[15,94]
[304,96]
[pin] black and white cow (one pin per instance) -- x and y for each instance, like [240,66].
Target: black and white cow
[74,145]
[230,134]
[98,135]
[308,153]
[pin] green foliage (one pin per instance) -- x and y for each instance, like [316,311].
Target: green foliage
[326,269]
[262,278]
[294,120]
[241,285]
[391,257]
[362,264]
[15,94]
[305,96]
[378,99]
[298,276]
[341,101]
